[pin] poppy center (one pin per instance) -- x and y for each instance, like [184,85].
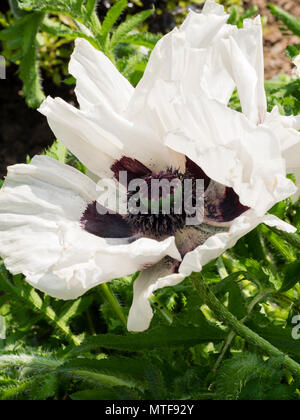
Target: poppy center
[157,202]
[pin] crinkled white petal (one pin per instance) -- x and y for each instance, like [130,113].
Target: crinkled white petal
[158,276]
[87,140]
[242,55]
[103,94]
[97,79]
[100,138]
[206,53]
[227,146]
[284,129]
[41,205]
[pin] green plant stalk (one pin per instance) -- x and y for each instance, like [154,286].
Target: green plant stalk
[222,313]
[113,301]
[232,334]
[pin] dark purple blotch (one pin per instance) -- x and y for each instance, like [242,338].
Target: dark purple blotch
[133,167]
[105,225]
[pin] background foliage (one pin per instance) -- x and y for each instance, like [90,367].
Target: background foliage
[81,349]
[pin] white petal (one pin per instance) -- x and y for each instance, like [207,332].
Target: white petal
[155,277]
[96,148]
[273,221]
[180,56]
[284,128]
[227,146]
[41,205]
[100,137]
[243,58]
[219,243]
[206,53]
[98,80]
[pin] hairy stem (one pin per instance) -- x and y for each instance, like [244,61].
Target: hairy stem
[232,334]
[113,301]
[237,326]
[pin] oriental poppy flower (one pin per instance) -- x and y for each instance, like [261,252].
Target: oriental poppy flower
[176,125]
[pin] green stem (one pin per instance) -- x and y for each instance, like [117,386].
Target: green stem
[240,329]
[231,335]
[113,301]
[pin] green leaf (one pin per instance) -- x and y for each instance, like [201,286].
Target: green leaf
[14,391]
[291,238]
[29,67]
[91,6]
[280,337]
[290,276]
[120,366]
[291,22]
[157,337]
[145,39]
[17,12]
[14,32]
[98,378]
[111,18]
[44,388]
[236,302]
[74,309]
[126,27]
[58,29]
[292,51]
[57,151]
[234,373]
[131,64]
[156,383]
[70,8]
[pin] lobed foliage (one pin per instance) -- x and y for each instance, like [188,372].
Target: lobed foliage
[80,350]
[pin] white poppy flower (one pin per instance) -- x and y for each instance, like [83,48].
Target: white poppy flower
[176,123]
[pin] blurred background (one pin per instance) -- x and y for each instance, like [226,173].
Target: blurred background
[24,132]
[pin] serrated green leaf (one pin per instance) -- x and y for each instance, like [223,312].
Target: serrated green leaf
[120,366]
[90,6]
[111,18]
[156,383]
[57,151]
[158,337]
[29,68]
[68,7]
[74,309]
[234,373]
[58,29]
[145,39]
[126,27]
[44,388]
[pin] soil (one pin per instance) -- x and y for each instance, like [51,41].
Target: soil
[24,132]
[276,62]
